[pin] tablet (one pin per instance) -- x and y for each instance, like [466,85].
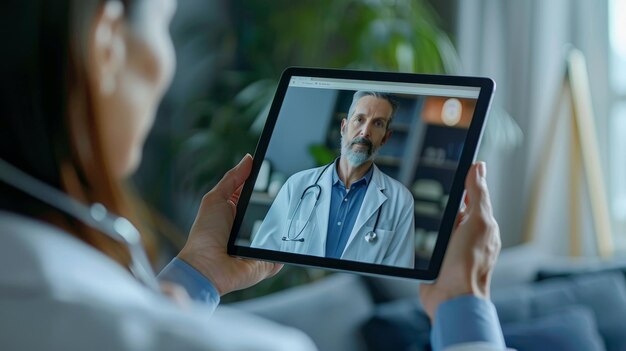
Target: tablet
[361,171]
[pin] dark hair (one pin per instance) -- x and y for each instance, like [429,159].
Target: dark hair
[362,93]
[47,126]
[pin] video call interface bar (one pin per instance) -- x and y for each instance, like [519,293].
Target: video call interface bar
[391,87]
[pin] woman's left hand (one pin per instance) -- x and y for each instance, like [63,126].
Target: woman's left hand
[205,249]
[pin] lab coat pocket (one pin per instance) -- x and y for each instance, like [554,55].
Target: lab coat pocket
[386,226]
[371,246]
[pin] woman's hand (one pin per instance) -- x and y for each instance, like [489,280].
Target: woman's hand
[205,249]
[472,251]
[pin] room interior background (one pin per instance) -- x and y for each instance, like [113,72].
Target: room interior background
[230,55]
[523,46]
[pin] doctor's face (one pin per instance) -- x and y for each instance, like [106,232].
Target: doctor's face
[366,130]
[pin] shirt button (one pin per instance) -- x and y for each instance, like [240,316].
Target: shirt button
[345,200]
[338,223]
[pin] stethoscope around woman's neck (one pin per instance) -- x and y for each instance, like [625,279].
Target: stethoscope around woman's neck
[370,236]
[95,216]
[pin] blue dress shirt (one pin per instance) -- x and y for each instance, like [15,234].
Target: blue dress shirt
[466,319]
[344,209]
[198,287]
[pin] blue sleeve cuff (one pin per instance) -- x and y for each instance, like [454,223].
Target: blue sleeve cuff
[466,319]
[197,285]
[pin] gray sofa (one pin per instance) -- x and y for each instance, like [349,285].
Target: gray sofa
[331,311]
[350,312]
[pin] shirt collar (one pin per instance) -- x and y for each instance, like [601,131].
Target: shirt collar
[365,179]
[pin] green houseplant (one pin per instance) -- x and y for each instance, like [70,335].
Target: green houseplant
[387,35]
[264,39]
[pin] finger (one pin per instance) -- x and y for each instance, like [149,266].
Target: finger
[459,218]
[464,203]
[277,267]
[235,197]
[476,187]
[234,178]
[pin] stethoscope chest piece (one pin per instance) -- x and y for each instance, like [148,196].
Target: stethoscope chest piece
[371,237]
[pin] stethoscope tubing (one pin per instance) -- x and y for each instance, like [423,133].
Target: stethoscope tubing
[95,216]
[317,197]
[370,236]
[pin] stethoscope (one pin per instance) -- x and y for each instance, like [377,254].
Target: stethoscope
[96,216]
[370,236]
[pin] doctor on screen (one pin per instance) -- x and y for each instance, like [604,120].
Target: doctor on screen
[347,209]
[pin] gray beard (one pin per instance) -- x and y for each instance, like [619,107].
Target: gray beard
[359,157]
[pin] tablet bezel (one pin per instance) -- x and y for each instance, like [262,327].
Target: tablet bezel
[468,155]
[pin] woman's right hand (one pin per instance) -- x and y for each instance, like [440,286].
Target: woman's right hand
[205,249]
[473,249]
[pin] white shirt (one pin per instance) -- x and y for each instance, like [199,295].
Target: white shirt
[58,293]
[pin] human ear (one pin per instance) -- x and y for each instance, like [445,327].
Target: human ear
[343,124]
[107,48]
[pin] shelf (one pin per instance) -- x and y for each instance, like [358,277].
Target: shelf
[388,161]
[261,198]
[401,128]
[428,209]
[427,222]
[447,164]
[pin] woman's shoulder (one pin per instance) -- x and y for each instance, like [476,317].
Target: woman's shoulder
[53,284]
[35,255]
[58,284]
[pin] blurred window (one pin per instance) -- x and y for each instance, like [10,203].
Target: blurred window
[617,169]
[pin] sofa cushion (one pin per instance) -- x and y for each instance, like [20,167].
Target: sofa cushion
[330,311]
[398,325]
[404,324]
[572,329]
[581,266]
[604,294]
[516,265]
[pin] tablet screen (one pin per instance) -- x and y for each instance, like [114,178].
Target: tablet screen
[358,173]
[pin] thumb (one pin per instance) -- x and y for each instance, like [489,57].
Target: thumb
[234,178]
[476,186]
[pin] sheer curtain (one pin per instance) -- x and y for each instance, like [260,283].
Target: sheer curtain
[521,45]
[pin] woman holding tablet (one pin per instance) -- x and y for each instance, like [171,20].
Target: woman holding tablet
[82,81]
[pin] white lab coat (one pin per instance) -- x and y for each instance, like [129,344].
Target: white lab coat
[58,293]
[395,232]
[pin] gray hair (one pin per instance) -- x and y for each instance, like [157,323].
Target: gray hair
[362,93]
